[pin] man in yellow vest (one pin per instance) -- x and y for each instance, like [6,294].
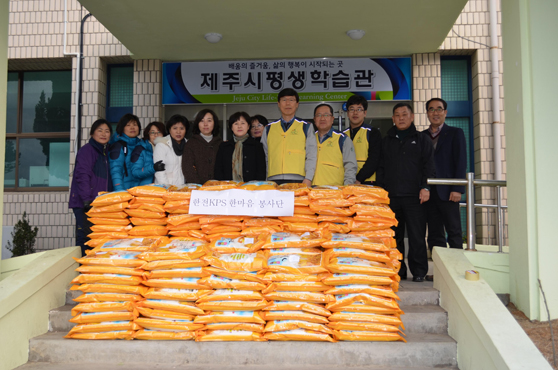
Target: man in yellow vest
[366,139]
[289,144]
[336,164]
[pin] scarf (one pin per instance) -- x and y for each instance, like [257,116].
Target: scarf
[237,157]
[178,148]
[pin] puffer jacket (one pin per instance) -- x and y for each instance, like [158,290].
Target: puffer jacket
[91,174]
[198,161]
[142,162]
[172,175]
[120,157]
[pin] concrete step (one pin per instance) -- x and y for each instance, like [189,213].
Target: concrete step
[150,366]
[426,350]
[411,294]
[417,319]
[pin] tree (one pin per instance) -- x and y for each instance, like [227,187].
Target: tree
[23,238]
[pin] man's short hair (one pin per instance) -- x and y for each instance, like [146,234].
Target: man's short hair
[323,105]
[399,105]
[287,92]
[437,99]
[356,100]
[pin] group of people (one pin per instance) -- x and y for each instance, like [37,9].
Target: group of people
[291,150]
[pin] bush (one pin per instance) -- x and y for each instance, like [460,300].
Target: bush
[23,238]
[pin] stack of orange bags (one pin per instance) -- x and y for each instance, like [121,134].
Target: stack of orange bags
[234,308]
[146,211]
[111,281]
[177,205]
[108,217]
[295,268]
[174,270]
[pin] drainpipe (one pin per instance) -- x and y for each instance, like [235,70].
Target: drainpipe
[80,82]
[78,76]
[496,123]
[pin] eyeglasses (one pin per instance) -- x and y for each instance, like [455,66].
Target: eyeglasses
[259,125]
[358,110]
[154,133]
[327,115]
[437,110]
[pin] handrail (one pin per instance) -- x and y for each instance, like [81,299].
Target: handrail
[470,184]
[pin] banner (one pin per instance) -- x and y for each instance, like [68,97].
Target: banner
[236,202]
[259,81]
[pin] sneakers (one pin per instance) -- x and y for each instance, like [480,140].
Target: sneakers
[418,279]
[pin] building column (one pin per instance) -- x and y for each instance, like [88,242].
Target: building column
[530,56]
[148,91]
[4,23]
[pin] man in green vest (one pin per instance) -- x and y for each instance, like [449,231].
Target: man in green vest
[289,144]
[336,164]
[367,140]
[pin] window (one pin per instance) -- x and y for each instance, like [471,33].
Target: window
[38,130]
[120,91]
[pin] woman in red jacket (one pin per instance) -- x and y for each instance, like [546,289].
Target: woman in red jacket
[198,160]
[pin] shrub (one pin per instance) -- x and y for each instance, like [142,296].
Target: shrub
[23,238]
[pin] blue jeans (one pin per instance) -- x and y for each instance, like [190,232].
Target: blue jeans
[82,228]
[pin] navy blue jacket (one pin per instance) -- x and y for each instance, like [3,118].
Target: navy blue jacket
[450,159]
[91,174]
[142,162]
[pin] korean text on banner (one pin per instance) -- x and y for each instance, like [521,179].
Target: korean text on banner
[237,202]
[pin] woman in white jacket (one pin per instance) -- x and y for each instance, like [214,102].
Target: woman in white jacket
[169,149]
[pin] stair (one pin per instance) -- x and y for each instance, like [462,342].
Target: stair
[428,346]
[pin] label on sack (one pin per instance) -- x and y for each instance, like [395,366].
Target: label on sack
[236,202]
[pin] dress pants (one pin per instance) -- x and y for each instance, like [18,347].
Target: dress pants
[410,215]
[82,229]
[443,217]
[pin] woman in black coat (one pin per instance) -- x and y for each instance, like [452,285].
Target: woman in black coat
[243,158]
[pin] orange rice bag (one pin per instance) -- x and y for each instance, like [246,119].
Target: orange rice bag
[302,201]
[258,185]
[141,213]
[368,190]
[167,325]
[147,207]
[300,218]
[313,297]
[311,308]
[334,227]
[109,221]
[107,199]
[292,240]
[300,227]
[238,245]
[173,264]
[296,286]
[280,276]
[170,305]
[326,192]
[108,235]
[109,288]
[253,317]
[283,325]
[238,261]
[148,230]
[233,305]
[355,241]
[303,210]
[358,253]
[363,326]
[103,307]
[115,228]
[379,290]
[261,230]
[119,334]
[107,279]
[231,294]
[220,282]
[138,221]
[364,298]
[370,226]
[295,261]
[216,228]
[235,275]
[175,294]
[156,191]
[352,279]
[358,266]
[299,335]
[96,317]
[114,258]
[164,335]
[177,272]
[110,208]
[93,269]
[340,203]
[116,215]
[180,192]
[99,327]
[213,185]
[219,219]
[164,315]
[229,336]
[371,336]
[147,200]
[366,317]
[107,297]
[332,211]
[258,328]
[378,211]
[195,225]
[179,219]
[176,249]
[176,283]
[298,188]
[262,221]
[177,206]
[131,245]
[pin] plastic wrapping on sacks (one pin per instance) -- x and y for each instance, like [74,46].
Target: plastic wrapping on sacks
[104,327]
[180,192]
[138,221]
[231,294]
[303,210]
[107,279]
[164,335]
[126,334]
[355,225]
[176,294]
[292,240]
[103,307]
[175,249]
[96,317]
[229,335]
[173,264]
[279,276]
[332,211]
[349,279]
[367,336]
[177,206]
[366,317]
[117,258]
[148,230]
[300,335]
[284,325]
[238,245]
[93,269]
[365,190]
[364,298]
[326,192]
[220,282]
[236,275]
[109,221]
[299,189]
[114,215]
[149,190]
[295,261]
[302,201]
[170,305]
[305,307]
[176,283]
[162,314]
[262,221]
[110,288]
[147,207]
[313,297]
[381,211]
[132,245]
[238,261]
[108,235]
[185,227]
[300,227]
[337,203]
[261,230]
[108,297]
[147,200]
[258,328]
[296,286]
[233,305]
[358,253]
[359,266]
[212,228]
[214,185]
[177,272]
[179,219]
[114,228]
[110,208]
[334,227]
[258,185]
[361,308]
[363,326]
[167,325]
[355,241]
[300,218]
[378,290]
[142,213]
[107,199]
[253,317]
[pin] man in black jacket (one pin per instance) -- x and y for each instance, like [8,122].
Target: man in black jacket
[406,163]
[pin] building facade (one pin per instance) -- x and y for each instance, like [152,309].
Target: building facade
[42,129]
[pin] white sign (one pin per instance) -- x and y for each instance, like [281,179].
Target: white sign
[237,202]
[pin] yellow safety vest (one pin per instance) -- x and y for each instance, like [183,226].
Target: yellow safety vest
[329,166]
[286,151]
[361,149]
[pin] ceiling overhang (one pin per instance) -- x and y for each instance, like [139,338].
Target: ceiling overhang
[256,29]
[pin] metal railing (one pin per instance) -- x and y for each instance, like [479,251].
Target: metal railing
[470,184]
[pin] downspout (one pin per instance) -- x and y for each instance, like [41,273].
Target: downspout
[78,76]
[80,82]
[496,123]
